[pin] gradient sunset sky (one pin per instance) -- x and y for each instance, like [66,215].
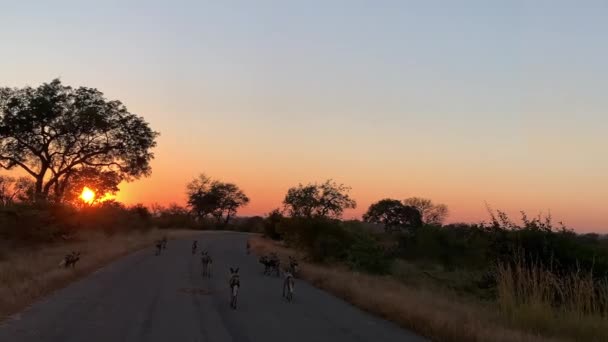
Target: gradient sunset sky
[459,101]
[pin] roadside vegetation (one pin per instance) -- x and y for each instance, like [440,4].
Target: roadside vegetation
[496,280]
[508,280]
[34,240]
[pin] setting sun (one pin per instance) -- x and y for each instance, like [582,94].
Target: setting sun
[87,195]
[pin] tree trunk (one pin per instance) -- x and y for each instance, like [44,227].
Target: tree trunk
[38,194]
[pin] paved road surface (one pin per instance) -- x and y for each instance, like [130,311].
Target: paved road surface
[145,298]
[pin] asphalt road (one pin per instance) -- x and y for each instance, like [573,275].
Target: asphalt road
[143,297]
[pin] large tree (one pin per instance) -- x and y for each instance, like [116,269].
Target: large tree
[54,131]
[431,213]
[328,199]
[393,215]
[207,197]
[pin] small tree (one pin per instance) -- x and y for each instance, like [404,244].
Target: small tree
[393,215]
[207,197]
[433,214]
[322,200]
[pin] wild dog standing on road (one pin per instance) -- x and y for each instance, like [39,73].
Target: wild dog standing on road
[235,283]
[194,246]
[275,264]
[206,261]
[288,286]
[271,264]
[293,266]
[266,262]
[70,259]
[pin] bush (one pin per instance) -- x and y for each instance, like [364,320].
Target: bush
[366,254]
[271,225]
[330,240]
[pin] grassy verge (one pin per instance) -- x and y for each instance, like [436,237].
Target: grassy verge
[438,315]
[28,274]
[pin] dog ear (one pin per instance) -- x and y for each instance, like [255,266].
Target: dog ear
[231,270]
[236,270]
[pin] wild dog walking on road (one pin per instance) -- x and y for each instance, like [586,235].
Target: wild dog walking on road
[70,259]
[194,246]
[288,286]
[235,283]
[206,261]
[159,246]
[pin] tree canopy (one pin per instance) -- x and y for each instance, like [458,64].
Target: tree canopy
[207,197]
[328,199]
[55,131]
[432,213]
[393,215]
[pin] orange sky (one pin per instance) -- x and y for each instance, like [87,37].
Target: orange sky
[502,103]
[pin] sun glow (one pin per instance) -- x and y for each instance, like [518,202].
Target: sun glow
[87,195]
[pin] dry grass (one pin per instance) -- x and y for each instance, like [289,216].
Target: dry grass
[528,298]
[433,314]
[27,275]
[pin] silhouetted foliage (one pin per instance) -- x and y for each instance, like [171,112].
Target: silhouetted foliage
[328,199]
[13,190]
[432,214]
[393,215]
[99,181]
[207,197]
[254,224]
[174,216]
[271,224]
[54,131]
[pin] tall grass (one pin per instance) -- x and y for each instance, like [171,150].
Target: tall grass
[28,273]
[438,315]
[539,299]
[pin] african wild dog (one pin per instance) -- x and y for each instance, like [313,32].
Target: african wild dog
[159,246]
[234,283]
[293,266]
[266,262]
[70,259]
[288,286]
[271,264]
[206,261]
[275,264]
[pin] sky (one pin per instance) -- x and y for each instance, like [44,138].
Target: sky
[462,102]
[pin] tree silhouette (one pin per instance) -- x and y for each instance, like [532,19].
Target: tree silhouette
[99,181]
[323,200]
[431,213]
[393,215]
[54,131]
[207,197]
